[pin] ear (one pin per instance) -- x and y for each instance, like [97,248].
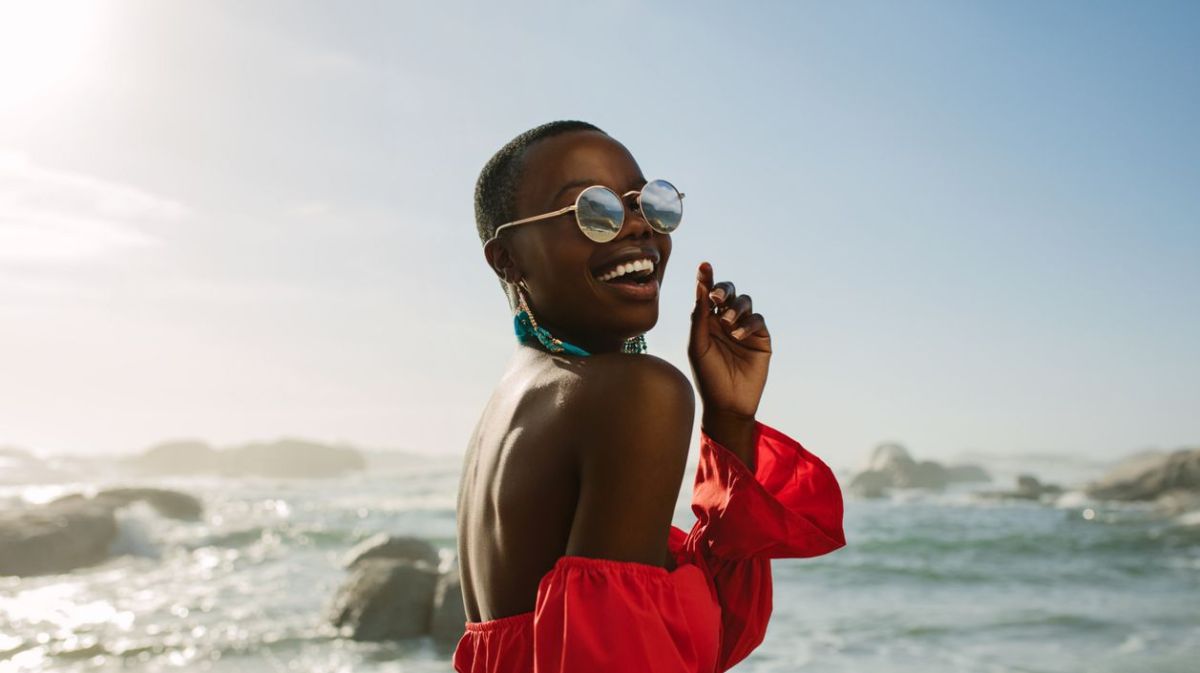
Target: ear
[502,261]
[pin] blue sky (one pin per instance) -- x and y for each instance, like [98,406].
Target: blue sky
[970,226]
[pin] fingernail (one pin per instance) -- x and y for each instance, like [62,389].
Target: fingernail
[728,316]
[717,295]
[739,333]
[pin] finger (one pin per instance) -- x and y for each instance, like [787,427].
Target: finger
[699,341]
[739,307]
[722,293]
[704,283]
[753,324]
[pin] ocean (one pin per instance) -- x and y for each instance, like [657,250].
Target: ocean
[932,583]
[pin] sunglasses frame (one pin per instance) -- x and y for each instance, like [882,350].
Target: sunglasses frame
[575,207]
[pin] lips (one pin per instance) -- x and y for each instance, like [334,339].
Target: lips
[625,255]
[647,291]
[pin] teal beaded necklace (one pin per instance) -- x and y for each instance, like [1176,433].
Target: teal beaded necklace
[528,331]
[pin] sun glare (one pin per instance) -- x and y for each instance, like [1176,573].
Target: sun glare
[43,46]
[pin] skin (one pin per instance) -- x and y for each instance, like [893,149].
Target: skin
[585,455]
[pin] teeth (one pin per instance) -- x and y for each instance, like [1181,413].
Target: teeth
[628,267]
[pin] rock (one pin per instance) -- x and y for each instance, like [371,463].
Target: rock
[926,474]
[171,504]
[890,458]
[870,484]
[1148,476]
[291,458]
[56,538]
[284,458]
[1177,502]
[449,613]
[189,456]
[891,466]
[386,599]
[1028,488]
[966,474]
[75,531]
[397,548]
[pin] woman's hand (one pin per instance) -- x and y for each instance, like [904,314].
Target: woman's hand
[729,349]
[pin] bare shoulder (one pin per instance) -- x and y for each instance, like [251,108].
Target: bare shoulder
[634,417]
[642,377]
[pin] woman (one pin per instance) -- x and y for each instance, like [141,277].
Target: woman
[568,558]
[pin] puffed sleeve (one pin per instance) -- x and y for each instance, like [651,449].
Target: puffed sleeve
[789,506]
[595,615]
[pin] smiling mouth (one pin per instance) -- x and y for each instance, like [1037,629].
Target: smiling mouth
[637,272]
[630,280]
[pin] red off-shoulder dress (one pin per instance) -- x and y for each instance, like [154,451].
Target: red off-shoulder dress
[707,614]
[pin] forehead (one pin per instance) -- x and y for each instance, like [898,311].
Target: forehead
[581,157]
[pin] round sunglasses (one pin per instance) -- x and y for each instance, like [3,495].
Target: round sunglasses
[600,212]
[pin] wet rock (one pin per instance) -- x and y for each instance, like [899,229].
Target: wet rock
[1149,476]
[870,484]
[76,531]
[386,599]
[1028,487]
[966,474]
[891,466]
[171,504]
[449,613]
[56,538]
[393,547]
[1177,502]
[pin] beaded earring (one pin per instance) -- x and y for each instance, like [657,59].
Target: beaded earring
[526,327]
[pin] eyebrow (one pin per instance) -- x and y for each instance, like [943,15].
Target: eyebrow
[587,182]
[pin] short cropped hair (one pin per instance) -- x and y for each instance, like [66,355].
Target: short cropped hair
[496,189]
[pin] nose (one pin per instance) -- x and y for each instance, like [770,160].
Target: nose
[635,225]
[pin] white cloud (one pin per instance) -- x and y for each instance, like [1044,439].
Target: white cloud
[53,216]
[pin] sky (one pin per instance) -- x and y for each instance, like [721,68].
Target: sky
[970,227]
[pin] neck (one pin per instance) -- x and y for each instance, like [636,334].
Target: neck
[592,343]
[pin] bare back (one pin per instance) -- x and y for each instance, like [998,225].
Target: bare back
[518,490]
[520,483]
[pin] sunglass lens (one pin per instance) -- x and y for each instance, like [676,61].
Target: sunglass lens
[600,213]
[662,206]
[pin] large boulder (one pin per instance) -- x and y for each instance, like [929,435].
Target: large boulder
[966,474]
[76,531]
[891,466]
[398,548]
[56,538]
[870,484]
[171,504]
[1149,476]
[449,613]
[386,599]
